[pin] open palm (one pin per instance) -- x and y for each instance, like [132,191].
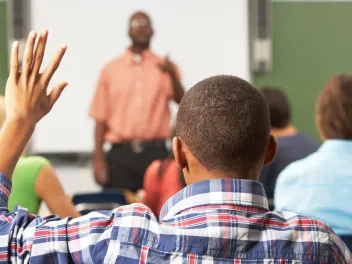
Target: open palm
[26,90]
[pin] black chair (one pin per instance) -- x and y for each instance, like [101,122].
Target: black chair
[348,241]
[105,200]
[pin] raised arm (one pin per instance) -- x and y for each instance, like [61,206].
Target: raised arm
[26,98]
[177,87]
[24,237]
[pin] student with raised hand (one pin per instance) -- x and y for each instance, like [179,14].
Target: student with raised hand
[222,215]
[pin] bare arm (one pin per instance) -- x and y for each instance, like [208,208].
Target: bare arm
[49,189]
[100,129]
[100,167]
[177,87]
[26,98]
[13,139]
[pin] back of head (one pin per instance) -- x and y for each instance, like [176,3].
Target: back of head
[334,108]
[279,107]
[224,121]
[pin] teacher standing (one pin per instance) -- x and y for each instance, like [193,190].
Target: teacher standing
[131,109]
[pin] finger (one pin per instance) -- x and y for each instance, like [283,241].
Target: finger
[55,93]
[39,53]
[54,64]
[28,54]
[14,61]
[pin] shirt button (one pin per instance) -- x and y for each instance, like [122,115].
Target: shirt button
[138,101]
[138,84]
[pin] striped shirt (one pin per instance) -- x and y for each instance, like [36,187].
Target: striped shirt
[217,221]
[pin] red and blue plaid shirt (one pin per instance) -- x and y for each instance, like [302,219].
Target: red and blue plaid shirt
[218,221]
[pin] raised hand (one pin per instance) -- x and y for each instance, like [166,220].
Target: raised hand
[26,98]
[167,66]
[26,89]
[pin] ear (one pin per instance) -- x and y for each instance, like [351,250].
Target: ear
[271,151]
[179,153]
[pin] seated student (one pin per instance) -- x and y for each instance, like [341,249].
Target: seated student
[320,185]
[292,145]
[162,179]
[222,215]
[34,180]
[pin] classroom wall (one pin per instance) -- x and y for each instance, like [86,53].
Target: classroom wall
[3,45]
[311,43]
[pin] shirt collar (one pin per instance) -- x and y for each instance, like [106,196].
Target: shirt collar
[133,57]
[336,146]
[216,192]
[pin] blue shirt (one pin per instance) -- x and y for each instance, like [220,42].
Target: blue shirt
[218,221]
[290,149]
[320,186]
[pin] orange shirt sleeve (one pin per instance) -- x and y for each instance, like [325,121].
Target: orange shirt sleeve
[150,187]
[99,106]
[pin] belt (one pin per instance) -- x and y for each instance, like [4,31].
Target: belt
[139,146]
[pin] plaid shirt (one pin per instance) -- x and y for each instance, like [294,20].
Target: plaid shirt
[218,221]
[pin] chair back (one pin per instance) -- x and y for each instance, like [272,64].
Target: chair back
[348,241]
[105,200]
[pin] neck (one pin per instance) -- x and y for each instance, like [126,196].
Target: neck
[284,132]
[202,174]
[138,49]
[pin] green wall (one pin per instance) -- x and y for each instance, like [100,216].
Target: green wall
[311,43]
[3,45]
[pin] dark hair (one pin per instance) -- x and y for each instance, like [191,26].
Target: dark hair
[279,107]
[334,108]
[224,121]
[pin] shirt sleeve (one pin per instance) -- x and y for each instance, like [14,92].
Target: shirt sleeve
[27,238]
[99,106]
[340,253]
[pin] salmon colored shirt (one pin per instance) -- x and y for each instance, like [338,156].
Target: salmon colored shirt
[132,97]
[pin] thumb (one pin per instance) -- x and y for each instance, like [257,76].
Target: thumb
[56,92]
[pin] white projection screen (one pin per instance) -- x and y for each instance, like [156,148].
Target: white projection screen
[204,37]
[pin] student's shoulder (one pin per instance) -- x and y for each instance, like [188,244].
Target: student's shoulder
[33,161]
[311,231]
[137,218]
[301,166]
[307,139]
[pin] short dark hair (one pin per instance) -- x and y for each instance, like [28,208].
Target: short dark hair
[279,106]
[334,108]
[224,121]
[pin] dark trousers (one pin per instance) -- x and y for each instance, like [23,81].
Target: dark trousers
[127,163]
